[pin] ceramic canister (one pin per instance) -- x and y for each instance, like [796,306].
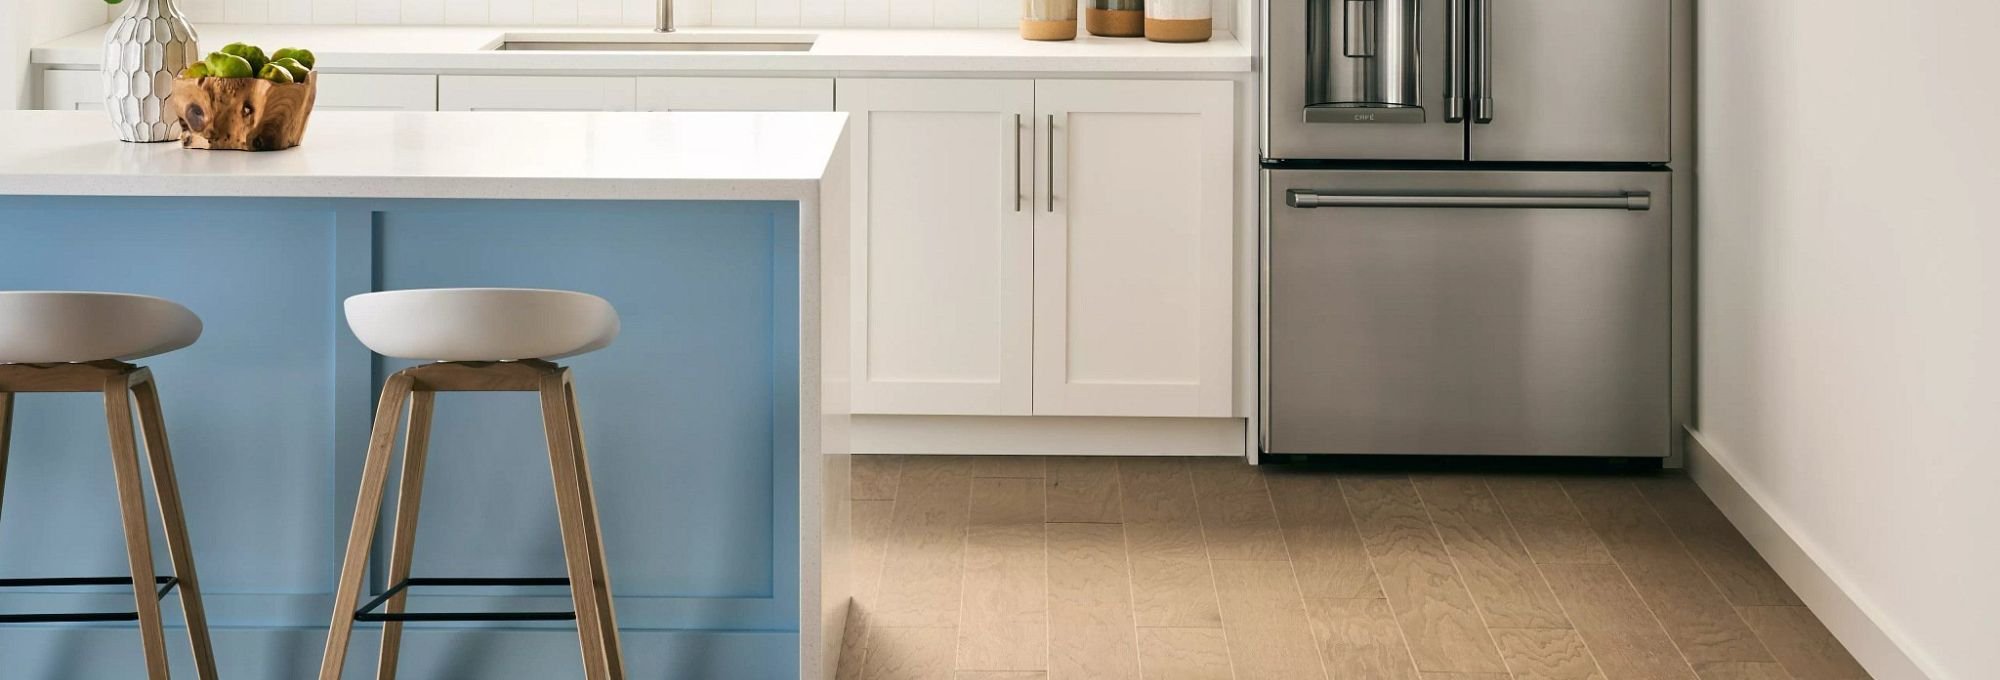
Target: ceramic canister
[1116,18]
[1178,20]
[1048,19]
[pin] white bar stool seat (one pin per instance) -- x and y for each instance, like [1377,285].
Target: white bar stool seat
[482,324]
[54,342]
[479,340]
[58,328]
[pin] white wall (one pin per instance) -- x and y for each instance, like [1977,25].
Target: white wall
[25,23]
[1849,291]
[779,13]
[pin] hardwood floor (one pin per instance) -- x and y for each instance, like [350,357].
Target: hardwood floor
[1025,568]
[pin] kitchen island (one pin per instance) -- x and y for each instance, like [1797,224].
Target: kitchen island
[718,436]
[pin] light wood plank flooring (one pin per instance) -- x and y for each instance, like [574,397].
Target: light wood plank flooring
[1025,568]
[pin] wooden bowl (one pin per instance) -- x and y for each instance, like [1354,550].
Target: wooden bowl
[245,114]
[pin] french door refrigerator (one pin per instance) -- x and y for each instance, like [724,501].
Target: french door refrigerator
[1469,243]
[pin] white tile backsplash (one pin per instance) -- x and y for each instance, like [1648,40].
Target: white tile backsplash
[551,12]
[333,11]
[865,12]
[422,12]
[508,12]
[467,12]
[771,13]
[378,11]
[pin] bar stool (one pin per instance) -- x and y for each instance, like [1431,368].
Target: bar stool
[480,340]
[80,342]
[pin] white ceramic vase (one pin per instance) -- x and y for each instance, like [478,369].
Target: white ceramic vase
[144,50]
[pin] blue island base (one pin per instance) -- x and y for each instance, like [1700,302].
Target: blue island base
[692,418]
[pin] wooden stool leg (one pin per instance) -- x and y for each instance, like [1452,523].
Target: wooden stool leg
[132,511]
[167,493]
[575,533]
[613,649]
[367,512]
[409,499]
[6,434]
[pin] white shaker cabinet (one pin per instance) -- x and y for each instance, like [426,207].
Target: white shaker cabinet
[1134,234]
[375,92]
[943,239]
[72,90]
[735,94]
[594,93]
[84,90]
[1101,285]
[536,93]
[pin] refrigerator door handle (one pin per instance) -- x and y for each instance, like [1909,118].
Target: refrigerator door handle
[1482,54]
[1627,200]
[1454,75]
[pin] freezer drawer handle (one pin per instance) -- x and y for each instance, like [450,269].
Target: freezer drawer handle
[1629,200]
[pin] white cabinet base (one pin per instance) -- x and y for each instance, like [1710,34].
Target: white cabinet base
[376,92]
[536,93]
[1098,281]
[1048,436]
[943,247]
[1133,247]
[735,94]
[72,91]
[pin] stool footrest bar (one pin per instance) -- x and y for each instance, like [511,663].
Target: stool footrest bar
[367,611]
[166,584]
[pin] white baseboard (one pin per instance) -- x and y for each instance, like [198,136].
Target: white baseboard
[1882,650]
[1048,435]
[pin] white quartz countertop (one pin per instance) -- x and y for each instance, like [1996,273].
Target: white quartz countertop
[529,155]
[467,49]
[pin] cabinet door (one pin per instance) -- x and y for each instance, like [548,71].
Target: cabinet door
[376,92]
[943,233]
[1578,80]
[1133,248]
[72,91]
[535,93]
[735,94]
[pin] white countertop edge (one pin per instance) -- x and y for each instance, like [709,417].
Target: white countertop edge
[387,188]
[465,49]
[445,155]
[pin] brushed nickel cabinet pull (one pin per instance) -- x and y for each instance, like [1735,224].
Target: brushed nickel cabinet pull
[1052,162]
[1017,162]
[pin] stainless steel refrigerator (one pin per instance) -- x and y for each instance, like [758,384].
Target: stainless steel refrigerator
[1469,236]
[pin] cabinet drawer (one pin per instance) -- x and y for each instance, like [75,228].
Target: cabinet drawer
[376,92]
[735,94]
[535,93]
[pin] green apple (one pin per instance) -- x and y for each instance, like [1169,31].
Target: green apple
[275,73]
[250,53]
[196,70]
[293,66]
[304,56]
[222,65]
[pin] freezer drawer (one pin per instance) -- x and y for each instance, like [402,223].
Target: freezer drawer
[1504,313]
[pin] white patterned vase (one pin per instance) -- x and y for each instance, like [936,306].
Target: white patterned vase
[144,50]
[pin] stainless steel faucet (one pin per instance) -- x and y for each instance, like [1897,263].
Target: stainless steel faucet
[664,19]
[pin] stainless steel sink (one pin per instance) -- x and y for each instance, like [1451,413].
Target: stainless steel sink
[644,42]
